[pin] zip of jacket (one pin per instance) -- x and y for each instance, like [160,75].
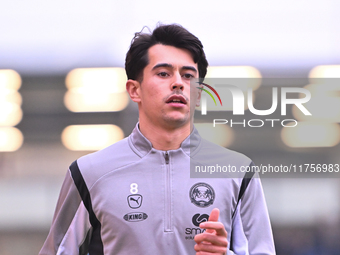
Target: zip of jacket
[168,197]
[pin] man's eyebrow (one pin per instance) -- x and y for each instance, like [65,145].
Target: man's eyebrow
[189,68]
[171,66]
[162,65]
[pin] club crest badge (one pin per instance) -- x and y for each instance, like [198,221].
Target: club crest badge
[202,194]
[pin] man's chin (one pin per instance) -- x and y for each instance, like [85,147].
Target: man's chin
[177,121]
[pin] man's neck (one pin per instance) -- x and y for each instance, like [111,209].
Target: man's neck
[164,138]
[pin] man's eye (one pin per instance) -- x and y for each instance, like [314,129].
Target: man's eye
[163,74]
[188,76]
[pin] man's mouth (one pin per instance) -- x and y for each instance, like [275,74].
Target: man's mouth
[177,99]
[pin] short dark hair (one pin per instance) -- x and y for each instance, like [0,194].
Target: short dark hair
[172,35]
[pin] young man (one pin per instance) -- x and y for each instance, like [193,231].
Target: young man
[136,196]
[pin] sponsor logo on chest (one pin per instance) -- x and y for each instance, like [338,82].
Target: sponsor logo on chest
[134,201]
[196,220]
[135,216]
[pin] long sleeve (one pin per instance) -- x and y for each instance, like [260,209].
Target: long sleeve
[70,224]
[252,233]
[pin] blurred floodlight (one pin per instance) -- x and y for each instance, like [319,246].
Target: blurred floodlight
[250,76]
[324,104]
[90,137]
[325,71]
[96,90]
[10,114]
[9,79]
[11,139]
[309,134]
[110,79]
[95,101]
[222,135]
[10,96]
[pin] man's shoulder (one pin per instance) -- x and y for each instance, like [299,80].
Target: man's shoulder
[113,157]
[213,152]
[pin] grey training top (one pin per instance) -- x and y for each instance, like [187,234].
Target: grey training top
[133,199]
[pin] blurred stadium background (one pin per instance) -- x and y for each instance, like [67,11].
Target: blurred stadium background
[62,96]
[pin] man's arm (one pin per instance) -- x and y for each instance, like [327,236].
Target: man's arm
[70,224]
[251,229]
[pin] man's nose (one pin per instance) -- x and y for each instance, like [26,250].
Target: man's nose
[177,82]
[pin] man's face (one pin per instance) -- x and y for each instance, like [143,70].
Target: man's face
[165,89]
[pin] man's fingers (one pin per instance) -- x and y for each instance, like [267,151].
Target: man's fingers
[214,239]
[215,213]
[210,243]
[208,249]
[211,239]
[214,226]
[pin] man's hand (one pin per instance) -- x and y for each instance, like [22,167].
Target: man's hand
[214,239]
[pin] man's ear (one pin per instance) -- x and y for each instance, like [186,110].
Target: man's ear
[133,88]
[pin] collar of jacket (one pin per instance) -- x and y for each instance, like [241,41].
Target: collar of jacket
[142,146]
